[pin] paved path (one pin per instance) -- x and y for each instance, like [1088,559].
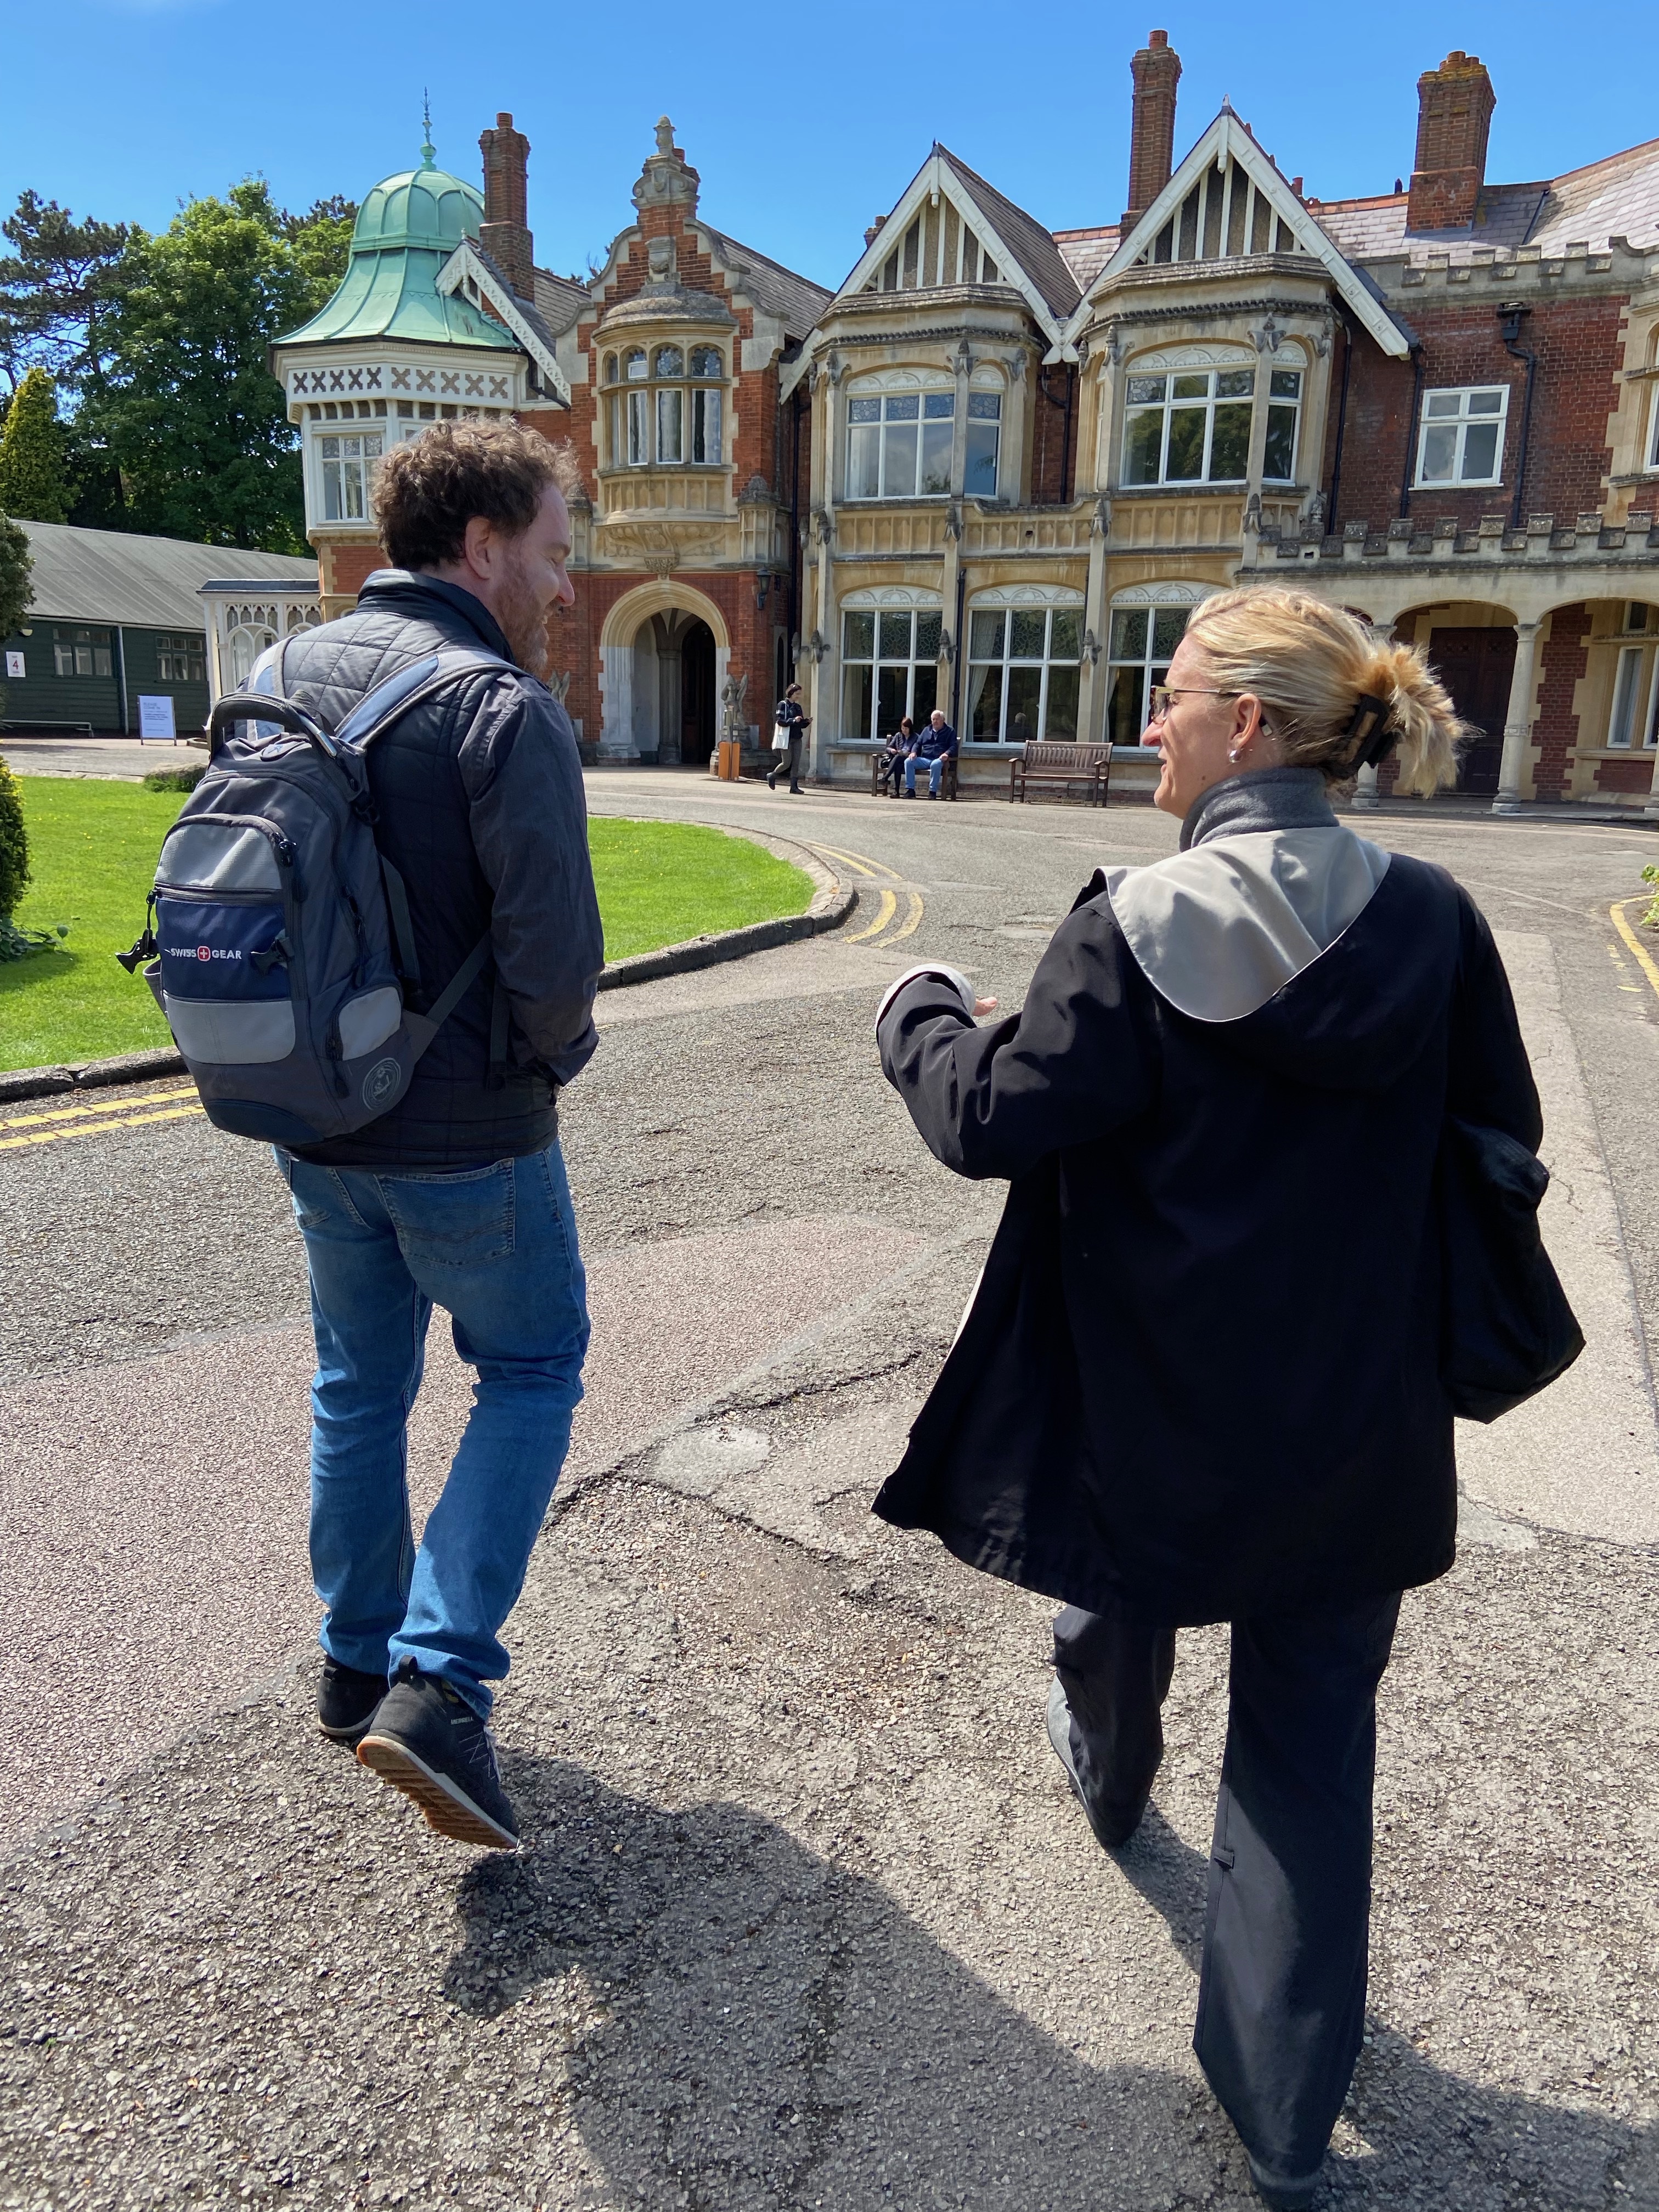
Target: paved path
[806,1917]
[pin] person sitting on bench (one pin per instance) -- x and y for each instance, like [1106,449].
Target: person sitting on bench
[936,744]
[894,757]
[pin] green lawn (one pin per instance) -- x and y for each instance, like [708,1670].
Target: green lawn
[93,846]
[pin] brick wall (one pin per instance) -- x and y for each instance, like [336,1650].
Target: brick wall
[1578,347]
[1564,660]
[1053,454]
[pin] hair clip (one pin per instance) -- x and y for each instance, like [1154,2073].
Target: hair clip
[1374,732]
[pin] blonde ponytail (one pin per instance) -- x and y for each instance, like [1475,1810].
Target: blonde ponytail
[1311,665]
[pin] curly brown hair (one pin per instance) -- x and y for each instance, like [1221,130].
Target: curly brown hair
[427,491]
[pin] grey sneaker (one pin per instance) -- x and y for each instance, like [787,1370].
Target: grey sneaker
[1113,1825]
[427,1742]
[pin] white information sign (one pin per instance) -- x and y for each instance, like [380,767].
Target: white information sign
[15,665]
[155,717]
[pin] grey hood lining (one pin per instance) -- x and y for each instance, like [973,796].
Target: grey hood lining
[1267,880]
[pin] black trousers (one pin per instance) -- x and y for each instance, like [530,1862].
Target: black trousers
[1281,1997]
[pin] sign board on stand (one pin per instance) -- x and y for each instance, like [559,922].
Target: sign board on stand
[156,718]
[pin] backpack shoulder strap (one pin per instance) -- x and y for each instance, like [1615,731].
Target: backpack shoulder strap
[376,712]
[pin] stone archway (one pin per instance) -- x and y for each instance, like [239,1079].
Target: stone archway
[642,670]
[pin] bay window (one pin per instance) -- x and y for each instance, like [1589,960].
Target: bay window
[1143,641]
[1022,673]
[675,415]
[1284,410]
[1189,427]
[1460,440]
[348,466]
[889,668]
[898,443]
[984,435]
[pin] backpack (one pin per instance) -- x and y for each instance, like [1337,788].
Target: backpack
[278,934]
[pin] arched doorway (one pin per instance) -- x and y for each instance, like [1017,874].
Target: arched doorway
[697,699]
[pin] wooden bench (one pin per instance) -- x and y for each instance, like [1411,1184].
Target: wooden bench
[947,781]
[1063,764]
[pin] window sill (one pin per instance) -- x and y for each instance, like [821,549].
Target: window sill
[1452,489]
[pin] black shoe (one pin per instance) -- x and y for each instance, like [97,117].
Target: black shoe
[772,781]
[427,1742]
[346,1699]
[932,794]
[1113,1825]
[1285,2192]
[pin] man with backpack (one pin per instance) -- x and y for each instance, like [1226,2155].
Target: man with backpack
[455,1196]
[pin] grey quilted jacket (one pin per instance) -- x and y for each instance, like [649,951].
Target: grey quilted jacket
[479,803]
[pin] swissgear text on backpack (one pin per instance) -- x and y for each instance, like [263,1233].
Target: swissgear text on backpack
[278,937]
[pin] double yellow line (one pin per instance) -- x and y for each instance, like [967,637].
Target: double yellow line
[1644,959]
[94,1116]
[884,880]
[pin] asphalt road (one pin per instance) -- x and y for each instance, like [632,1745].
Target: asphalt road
[806,1917]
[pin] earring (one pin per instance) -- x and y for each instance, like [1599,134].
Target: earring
[1233,752]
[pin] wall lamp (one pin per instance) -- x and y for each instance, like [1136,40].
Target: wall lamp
[762,581]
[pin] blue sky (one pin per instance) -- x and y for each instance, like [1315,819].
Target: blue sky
[803,132]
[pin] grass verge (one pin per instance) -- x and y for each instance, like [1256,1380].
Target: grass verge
[93,845]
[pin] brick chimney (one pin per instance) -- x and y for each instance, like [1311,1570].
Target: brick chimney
[1157,71]
[1454,115]
[504,234]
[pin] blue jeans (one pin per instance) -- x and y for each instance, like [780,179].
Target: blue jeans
[496,1247]
[935,772]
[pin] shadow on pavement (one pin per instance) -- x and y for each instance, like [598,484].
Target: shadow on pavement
[762,2028]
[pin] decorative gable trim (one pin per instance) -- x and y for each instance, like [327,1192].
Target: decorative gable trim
[465,271]
[1225,145]
[938,179]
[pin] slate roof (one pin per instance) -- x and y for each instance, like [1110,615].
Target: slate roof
[1031,246]
[796,300]
[144,583]
[1616,197]
[561,299]
[1085,253]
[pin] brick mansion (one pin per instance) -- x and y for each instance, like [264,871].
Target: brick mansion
[994,467]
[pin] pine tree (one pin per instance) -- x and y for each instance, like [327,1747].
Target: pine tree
[33,477]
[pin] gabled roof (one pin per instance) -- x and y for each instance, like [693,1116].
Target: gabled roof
[480,277]
[1025,254]
[560,300]
[1032,246]
[1272,220]
[143,583]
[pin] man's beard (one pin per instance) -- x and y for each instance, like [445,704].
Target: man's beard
[523,618]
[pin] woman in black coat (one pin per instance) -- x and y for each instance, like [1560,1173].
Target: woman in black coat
[1199,1378]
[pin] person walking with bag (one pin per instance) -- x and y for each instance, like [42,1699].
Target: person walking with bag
[790,724]
[456,1197]
[1204,1378]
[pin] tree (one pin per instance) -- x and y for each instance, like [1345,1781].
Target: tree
[13,854]
[53,286]
[34,480]
[186,407]
[16,568]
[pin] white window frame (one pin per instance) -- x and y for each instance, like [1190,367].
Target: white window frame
[876,659]
[1652,461]
[661,421]
[934,403]
[349,469]
[1281,404]
[1152,665]
[1170,404]
[983,612]
[1634,705]
[1462,421]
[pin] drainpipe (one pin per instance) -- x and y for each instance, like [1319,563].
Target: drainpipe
[1335,522]
[1410,469]
[795,526]
[961,652]
[1509,316]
